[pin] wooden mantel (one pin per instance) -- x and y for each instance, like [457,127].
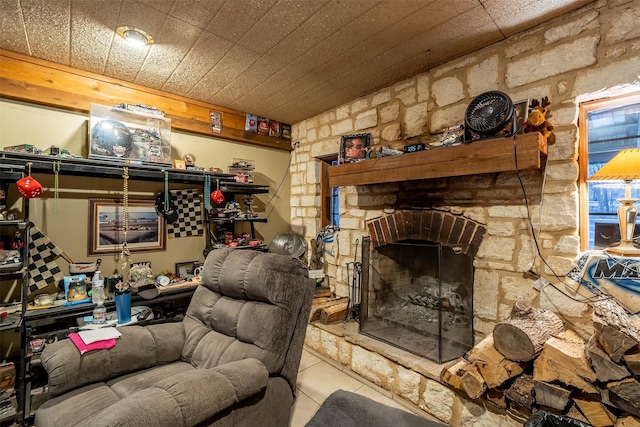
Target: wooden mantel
[47,83]
[491,155]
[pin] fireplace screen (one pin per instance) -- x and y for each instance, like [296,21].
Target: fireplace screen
[418,295]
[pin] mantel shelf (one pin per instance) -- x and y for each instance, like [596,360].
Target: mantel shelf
[491,155]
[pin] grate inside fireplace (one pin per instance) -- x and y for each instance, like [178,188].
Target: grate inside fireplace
[418,295]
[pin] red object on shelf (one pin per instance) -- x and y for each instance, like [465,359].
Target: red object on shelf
[29,187]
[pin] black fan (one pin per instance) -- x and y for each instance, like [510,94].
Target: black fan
[489,115]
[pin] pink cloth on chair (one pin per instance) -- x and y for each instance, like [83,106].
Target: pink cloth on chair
[83,348]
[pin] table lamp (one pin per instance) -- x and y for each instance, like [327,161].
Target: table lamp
[624,166]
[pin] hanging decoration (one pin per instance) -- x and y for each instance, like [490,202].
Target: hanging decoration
[28,186]
[125,254]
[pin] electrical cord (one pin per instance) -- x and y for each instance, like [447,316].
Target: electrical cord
[535,238]
[286,173]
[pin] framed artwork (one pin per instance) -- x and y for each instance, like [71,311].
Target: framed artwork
[353,148]
[179,164]
[215,121]
[522,110]
[106,226]
[186,269]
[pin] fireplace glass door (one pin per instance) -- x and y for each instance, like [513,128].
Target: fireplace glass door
[418,296]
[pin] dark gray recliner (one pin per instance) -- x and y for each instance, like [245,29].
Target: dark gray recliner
[232,361]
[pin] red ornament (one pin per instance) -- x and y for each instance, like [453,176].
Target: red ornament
[29,187]
[217,197]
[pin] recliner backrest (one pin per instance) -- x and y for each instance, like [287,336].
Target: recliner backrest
[249,305]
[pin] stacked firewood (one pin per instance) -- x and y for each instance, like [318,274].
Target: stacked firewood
[327,308]
[531,363]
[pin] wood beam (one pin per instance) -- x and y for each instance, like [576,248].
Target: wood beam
[41,82]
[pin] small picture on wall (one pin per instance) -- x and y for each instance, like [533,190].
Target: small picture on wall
[353,148]
[521,108]
[215,121]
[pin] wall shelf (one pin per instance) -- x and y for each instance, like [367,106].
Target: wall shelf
[491,155]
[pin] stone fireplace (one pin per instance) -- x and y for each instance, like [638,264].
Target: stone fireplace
[417,284]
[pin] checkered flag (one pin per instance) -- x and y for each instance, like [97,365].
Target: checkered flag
[43,269]
[189,222]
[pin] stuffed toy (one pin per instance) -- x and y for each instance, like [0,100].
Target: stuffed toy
[537,118]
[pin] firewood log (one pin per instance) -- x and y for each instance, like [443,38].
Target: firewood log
[493,366]
[616,330]
[625,395]
[562,359]
[632,360]
[551,395]
[472,383]
[316,309]
[521,391]
[334,313]
[628,421]
[521,337]
[452,373]
[605,368]
[595,412]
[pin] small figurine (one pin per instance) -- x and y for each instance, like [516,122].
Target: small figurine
[537,118]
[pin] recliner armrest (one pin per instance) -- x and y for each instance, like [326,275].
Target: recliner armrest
[138,348]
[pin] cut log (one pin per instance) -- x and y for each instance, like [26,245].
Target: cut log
[323,292]
[574,413]
[334,313]
[551,395]
[496,397]
[521,391]
[617,331]
[454,372]
[595,412]
[625,395]
[605,368]
[562,359]
[493,366]
[628,421]
[521,337]
[472,383]
[314,315]
[632,360]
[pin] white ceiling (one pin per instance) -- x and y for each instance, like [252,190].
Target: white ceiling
[283,59]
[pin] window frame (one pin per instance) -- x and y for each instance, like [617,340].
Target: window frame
[583,155]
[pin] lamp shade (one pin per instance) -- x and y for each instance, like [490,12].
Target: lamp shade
[624,166]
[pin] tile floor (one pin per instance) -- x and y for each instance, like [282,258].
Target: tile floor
[318,378]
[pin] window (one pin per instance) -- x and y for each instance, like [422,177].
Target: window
[330,196]
[606,127]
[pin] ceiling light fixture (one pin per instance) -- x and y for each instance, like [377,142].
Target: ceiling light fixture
[134,36]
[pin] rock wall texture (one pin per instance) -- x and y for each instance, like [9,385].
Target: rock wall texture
[584,55]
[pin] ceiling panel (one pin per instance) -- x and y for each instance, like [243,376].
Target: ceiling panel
[283,59]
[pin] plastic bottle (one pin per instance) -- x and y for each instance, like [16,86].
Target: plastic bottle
[97,288]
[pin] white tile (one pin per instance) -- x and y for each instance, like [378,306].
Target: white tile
[308,360]
[322,379]
[303,409]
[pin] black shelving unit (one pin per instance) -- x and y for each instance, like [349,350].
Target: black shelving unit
[28,323]
[11,172]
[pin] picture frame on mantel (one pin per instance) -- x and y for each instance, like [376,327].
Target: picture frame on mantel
[106,221]
[354,148]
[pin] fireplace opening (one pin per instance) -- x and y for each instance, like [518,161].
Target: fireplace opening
[418,295]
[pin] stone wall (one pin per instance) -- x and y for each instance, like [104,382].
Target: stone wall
[587,54]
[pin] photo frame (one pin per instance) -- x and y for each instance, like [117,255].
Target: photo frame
[106,234]
[522,111]
[179,164]
[186,269]
[353,148]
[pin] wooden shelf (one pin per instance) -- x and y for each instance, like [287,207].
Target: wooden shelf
[491,155]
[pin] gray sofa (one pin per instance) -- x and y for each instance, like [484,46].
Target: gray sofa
[232,361]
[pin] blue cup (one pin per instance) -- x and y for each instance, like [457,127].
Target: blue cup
[123,307]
